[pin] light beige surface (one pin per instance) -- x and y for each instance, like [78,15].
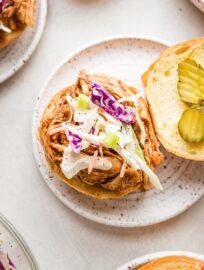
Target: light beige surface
[59,238]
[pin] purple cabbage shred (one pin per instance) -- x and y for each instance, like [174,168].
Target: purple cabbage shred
[75,141]
[109,104]
[92,131]
[2,4]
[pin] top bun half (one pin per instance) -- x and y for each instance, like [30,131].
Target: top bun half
[160,83]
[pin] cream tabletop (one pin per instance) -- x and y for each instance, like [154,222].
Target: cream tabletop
[59,238]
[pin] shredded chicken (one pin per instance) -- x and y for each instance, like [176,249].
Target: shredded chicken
[151,147]
[58,111]
[19,13]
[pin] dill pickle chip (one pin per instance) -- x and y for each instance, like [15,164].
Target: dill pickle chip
[191,125]
[191,81]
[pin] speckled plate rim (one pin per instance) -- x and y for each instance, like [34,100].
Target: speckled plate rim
[72,206]
[35,41]
[21,242]
[149,257]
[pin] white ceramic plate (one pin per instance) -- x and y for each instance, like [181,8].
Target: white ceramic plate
[147,258]
[199,4]
[13,57]
[124,58]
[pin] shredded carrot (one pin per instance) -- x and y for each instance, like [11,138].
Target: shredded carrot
[123,169]
[93,161]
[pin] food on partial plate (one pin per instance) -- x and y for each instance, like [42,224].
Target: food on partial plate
[5,262]
[173,263]
[15,17]
[98,137]
[174,87]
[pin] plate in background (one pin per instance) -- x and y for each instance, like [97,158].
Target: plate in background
[147,258]
[199,4]
[11,243]
[125,58]
[14,56]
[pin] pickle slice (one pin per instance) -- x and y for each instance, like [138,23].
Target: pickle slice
[191,81]
[191,125]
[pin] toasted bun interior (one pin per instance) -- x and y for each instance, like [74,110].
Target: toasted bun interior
[160,82]
[174,263]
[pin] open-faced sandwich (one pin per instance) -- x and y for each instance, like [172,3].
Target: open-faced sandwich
[174,87]
[98,137]
[173,263]
[15,16]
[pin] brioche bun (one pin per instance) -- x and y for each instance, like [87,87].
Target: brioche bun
[174,262]
[160,83]
[8,38]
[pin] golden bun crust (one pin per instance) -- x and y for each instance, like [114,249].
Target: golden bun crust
[160,82]
[173,263]
[7,38]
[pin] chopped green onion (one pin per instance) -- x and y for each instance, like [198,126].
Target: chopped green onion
[83,102]
[111,139]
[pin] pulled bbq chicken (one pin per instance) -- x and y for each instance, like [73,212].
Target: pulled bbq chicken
[18,14]
[58,111]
